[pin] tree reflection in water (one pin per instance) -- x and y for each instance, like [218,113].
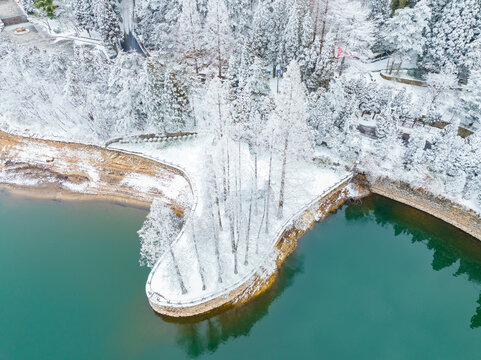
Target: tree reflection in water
[205,334]
[202,335]
[448,243]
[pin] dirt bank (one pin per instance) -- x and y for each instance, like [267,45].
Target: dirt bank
[70,171]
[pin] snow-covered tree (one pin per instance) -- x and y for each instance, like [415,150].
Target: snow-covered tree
[290,119]
[317,62]
[154,92]
[28,6]
[240,13]
[471,100]
[73,90]
[176,104]
[404,32]
[215,105]
[156,23]
[453,28]
[442,155]
[252,108]
[388,147]
[262,33]
[355,31]
[157,235]
[332,114]
[275,53]
[386,125]
[127,91]
[257,85]
[379,15]
[107,23]
[84,16]
[218,35]
[414,154]
[441,83]
[294,37]
[212,200]
[189,31]
[472,167]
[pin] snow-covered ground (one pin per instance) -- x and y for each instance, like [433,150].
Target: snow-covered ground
[305,183]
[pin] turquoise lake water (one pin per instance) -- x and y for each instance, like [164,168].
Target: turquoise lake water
[376,280]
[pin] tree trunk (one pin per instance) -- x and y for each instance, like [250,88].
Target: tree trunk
[221,128]
[316,22]
[260,227]
[194,47]
[201,271]
[240,177]
[219,53]
[230,211]
[217,202]
[177,270]
[235,262]
[268,190]
[224,178]
[216,245]
[342,65]
[399,68]
[228,169]
[283,178]
[246,261]
[255,183]
[323,31]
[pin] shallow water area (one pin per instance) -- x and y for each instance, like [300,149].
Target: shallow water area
[376,280]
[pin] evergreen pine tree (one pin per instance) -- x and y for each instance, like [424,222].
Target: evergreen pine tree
[453,28]
[218,36]
[84,16]
[189,30]
[107,23]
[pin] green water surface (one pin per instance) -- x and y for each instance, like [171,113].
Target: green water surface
[376,280]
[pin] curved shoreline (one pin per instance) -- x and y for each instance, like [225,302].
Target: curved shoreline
[80,172]
[439,207]
[119,161]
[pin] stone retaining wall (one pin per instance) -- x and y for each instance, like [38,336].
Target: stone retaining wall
[442,208]
[403,80]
